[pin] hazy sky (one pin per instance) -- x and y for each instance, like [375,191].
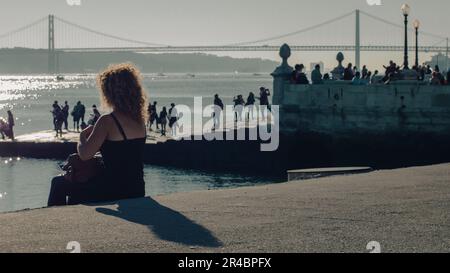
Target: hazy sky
[208,22]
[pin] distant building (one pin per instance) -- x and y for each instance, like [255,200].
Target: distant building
[312,66]
[441,60]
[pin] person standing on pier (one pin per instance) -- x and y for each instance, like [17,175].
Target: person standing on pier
[58,119]
[82,112]
[153,114]
[55,110]
[250,104]
[65,111]
[11,124]
[264,101]
[163,121]
[76,114]
[3,128]
[173,118]
[218,108]
[238,107]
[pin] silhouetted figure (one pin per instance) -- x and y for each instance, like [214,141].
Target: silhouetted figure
[238,107]
[326,77]
[264,101]
[421,73]
[7,126]
[11,124]
[58,117]
[316,75]
[250,104]
[94,116]
[163,120]
[76,115]
[375,77]
[349,73]
[153,115]
[120,137]
[173,118]
[298,76]
[55,109]
[437,78]
[364,72]
[357,79]
[3,127]
[82,112]
[65,111]
[217,112]
[391,70]
[366,80]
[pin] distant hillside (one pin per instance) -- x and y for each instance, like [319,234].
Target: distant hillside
[21,60]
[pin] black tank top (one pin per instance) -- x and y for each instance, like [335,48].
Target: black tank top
[124,168]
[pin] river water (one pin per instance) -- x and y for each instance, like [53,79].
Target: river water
[24,183]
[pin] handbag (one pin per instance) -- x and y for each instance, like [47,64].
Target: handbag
[79,171]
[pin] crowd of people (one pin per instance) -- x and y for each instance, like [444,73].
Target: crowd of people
[163,118]
[61,117]
[352,74]
[171,117]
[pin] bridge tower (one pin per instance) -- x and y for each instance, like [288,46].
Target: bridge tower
[51,45]
[357,40]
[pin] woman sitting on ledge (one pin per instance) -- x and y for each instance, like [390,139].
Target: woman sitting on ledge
[119,136]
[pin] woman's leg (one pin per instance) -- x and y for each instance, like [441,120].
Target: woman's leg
[59,191]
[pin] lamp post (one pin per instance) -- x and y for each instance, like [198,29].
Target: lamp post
[406,10]
[416,25]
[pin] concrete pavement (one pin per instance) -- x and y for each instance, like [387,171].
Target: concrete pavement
[405,210]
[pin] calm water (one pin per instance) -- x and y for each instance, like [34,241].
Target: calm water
[24,183]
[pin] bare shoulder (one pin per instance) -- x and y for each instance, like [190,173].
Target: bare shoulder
[105,121]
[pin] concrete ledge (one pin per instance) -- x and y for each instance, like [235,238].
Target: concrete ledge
[322,172]
[405,210]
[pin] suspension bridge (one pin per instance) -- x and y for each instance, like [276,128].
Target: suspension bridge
[60,36]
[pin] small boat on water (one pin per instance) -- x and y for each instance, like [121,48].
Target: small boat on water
[190,75]
[60,78]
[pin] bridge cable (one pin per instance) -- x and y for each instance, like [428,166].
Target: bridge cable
[23,28]
[295,32]
[108,35]
[401,26]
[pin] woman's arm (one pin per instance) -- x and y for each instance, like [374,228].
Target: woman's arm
[92,139]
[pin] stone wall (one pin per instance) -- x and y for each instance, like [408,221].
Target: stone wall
[342,108]
[338,108]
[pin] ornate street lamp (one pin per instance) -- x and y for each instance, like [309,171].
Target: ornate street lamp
[416,25]
[406,10]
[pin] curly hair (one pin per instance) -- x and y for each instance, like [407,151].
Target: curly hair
[121,89]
